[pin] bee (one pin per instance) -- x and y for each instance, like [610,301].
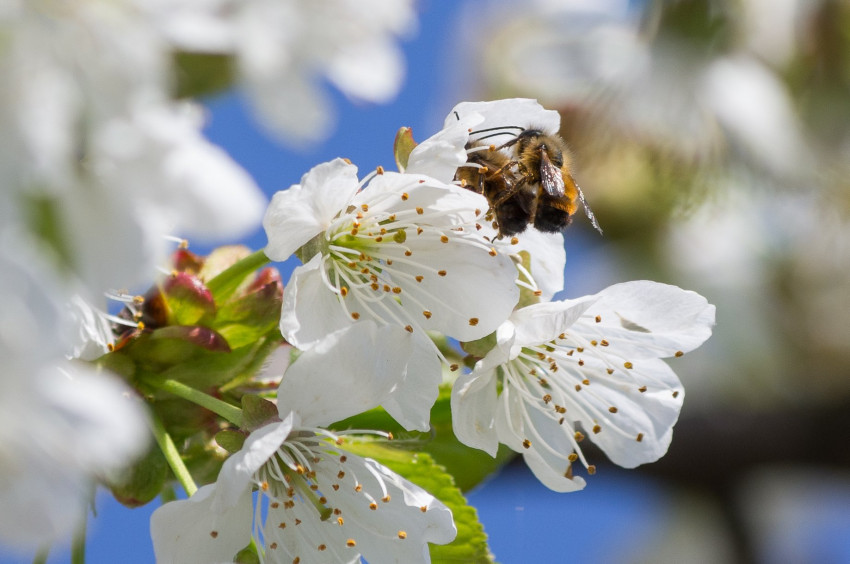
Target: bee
[489,172]
[543,163]
[526,180]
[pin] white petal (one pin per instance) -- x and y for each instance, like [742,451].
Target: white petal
[347,373]
[369,70]
[548,259]
[304,210]
[474,406]
[651,414]
[646,319]
[476,294]
[553,479]
[521,112]
[235,477]
[440,155]
[191,531]
[538,323]
[310,311]
[411,400]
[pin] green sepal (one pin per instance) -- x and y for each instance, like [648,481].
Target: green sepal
[257,411]
[140,483]
[470,545]
[230,440]
[224,283]
[402,147]
[172,343]
[245,319]
[188,300]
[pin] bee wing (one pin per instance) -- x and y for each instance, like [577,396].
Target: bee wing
[587,211]
[550,176]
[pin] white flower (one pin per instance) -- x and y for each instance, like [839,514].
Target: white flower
[316,502]
[283,49]
[594,361]
[403,251]
[61,424]
[93,142]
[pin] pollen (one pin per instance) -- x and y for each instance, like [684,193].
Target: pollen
[373,506]
[604,343]
[427,314]
[282,525]
[578,387]
[612,409]
[538,292]
[214,534]
[408,253]
[596,429]
[340,521]
[396,290]
[404,196]
[591,469]
[598,319]
[355,316]
[386,498]
[514,241]
[364,207]
[526,443]
[473,321]
[358,488]
[402,535]
[609,370]
[675,394]
[441,272]
[547,398]
[679,353]
[408,328]
[419,210]
[423,509]
[579,437]
[572,457]
[628,365]
[453,367]
[350,543]
[322,547]
[420,278]
[379,170]
[273,545]
[639,437]
[444,239]
[343,291]
[493,252]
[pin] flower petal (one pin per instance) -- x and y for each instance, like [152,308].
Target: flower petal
[235,477]
[304,210]
[349,372]
[520,112]
[310,311]
[474,408]
[410,402]
[538,323]
[440,155]
[191,531]
[646,319]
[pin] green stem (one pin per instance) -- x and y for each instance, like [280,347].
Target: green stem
[227,281]
[224,409]
[78,544]
[172,456]
[41,556]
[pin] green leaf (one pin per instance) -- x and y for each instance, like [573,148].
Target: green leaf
[470,546]
[402,147]
[468,466]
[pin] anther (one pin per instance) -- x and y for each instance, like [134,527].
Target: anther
[628,365]
[598,318]
[214,534]
[639,437]
[453,367]
[427,314]
[402,535]
[612,409]
[408,328]
[444,239]
[596,429]
[355,316]
[526,443]
[441,272]
[679,353]
[379,170]
[591,469]
[350,543]
[473,321]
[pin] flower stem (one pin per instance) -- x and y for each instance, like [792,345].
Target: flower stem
[172,456]
[224,409]
[78,544]
[226,282]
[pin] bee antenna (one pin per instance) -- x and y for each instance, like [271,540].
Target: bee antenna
[457,116]
[501,128]
[497,134]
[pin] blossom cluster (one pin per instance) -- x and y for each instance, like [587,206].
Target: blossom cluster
[390,261]
[100,161]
